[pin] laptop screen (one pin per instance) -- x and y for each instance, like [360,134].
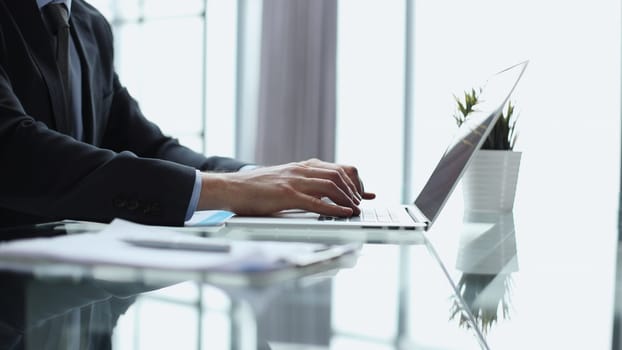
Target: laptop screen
[469,138]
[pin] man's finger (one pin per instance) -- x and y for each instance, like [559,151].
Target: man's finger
[348,179]
[319,188]
[365,195]
[316,205]
[369,195]
[351,174]
[334,176]
[350,183]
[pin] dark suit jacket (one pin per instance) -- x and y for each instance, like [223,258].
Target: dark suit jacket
[125,167]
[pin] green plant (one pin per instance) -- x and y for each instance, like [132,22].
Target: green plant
[503,135]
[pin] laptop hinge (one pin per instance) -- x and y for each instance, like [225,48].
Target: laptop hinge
[416,214]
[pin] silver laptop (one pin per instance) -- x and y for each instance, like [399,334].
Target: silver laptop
[421,214]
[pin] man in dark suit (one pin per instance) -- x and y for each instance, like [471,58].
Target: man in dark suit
[74,143]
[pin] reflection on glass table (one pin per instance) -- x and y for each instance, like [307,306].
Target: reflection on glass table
[350,308]
[487,258]
[388,296]
[60,313]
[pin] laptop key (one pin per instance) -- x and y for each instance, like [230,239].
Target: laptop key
[367,215]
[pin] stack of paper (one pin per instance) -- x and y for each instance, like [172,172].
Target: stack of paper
[123,243]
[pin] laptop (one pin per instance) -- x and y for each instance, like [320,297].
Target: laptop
[421,214]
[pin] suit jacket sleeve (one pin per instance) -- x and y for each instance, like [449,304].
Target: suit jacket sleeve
[51,175]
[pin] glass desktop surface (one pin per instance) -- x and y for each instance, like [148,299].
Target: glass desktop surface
[391,295]
[542,276]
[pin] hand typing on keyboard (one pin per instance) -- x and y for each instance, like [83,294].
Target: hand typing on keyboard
[268,190]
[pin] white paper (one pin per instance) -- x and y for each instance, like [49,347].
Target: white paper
[108,248]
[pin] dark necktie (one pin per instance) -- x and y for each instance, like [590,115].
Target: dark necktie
[57,17]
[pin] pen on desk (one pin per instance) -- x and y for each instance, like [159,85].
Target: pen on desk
[206,246]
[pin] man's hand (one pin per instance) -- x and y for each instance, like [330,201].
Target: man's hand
[268,190]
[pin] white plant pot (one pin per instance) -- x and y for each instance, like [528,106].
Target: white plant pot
[489,184]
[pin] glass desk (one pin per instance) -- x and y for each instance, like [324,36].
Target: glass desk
[392,294]
[540,277]
[530,279]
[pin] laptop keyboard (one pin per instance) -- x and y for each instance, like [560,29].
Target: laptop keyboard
[367,215]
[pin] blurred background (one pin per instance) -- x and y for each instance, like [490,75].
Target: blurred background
[368,82]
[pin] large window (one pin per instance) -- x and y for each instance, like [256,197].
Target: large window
[569,99]
[574,53]
[370,93]
[178,59]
